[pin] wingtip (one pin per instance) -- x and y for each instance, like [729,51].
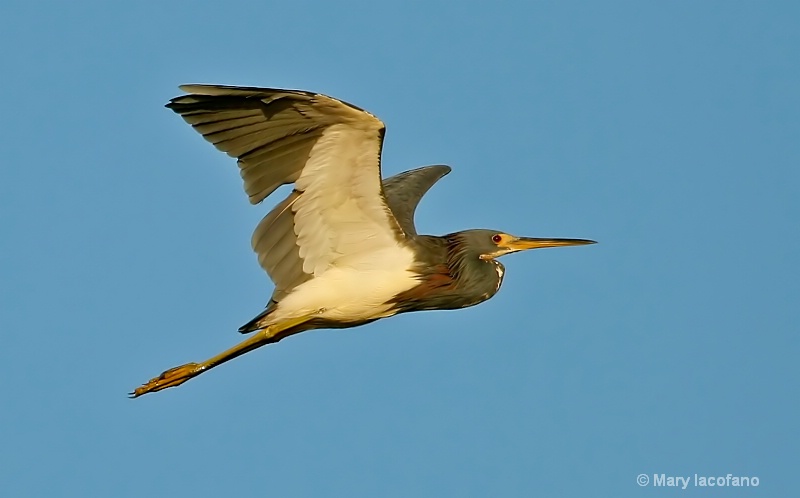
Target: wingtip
[214,90]
[197,87]
[192,90]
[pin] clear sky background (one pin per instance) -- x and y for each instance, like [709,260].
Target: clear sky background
[667,131]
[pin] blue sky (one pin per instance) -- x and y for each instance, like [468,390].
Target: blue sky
[668,131]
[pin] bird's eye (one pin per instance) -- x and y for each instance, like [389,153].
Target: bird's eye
[497,238]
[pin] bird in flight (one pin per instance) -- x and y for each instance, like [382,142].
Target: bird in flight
[341,249]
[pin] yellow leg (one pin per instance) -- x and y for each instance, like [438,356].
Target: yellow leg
[178,375]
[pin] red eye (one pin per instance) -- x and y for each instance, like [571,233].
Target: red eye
[496,239]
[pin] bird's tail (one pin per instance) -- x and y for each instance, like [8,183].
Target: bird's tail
[257,323]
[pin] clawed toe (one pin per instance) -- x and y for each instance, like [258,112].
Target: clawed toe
[171,378]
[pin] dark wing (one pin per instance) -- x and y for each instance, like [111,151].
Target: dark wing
[404,191]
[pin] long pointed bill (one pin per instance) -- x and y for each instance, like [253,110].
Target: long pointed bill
[525,243]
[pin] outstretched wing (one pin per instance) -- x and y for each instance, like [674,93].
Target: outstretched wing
[276,245]
[329,149]
[405,190]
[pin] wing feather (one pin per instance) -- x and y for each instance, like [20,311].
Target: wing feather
[330,150]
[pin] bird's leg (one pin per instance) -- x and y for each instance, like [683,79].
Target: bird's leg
[178,375]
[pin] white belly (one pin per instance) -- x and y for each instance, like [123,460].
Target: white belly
[356,290]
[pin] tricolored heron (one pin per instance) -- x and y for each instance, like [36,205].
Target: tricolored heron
[341,249]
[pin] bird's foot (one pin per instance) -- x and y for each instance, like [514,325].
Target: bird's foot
[171,378]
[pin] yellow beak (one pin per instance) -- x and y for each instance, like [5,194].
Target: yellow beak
[525,243]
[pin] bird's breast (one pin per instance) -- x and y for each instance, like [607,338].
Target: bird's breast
[360,290]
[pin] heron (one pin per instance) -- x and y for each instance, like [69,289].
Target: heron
[341,249]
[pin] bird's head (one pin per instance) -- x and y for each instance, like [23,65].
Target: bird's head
[491,244]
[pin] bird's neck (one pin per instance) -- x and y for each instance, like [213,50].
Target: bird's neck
[451,276]
[477,279]
[485,276]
